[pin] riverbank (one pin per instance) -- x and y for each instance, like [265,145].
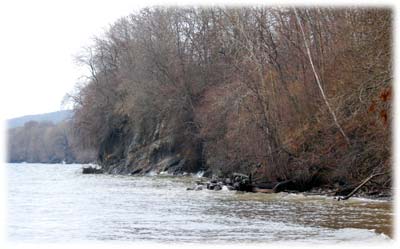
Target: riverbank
[242,182]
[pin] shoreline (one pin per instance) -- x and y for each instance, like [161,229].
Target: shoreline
[327,191]
[217,183]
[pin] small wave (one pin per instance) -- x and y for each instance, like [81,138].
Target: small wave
[365,199]
[306,196]
[198,174]
[225,188]
[360,235]
[165,173]
[152,173]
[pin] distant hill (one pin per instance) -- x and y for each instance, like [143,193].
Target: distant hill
[46,140]
[55,117]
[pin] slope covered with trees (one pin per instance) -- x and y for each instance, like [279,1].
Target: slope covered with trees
[45,142]
[282,93]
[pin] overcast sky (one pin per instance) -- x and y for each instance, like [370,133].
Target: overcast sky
[38,41]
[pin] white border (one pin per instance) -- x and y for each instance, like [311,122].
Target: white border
[338,3]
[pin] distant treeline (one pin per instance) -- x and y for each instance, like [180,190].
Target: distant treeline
[45,142]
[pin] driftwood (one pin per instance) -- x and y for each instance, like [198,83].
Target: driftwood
[360,186]
[262,190]
[270,187]
[266,185]
[240,175]
[280,185]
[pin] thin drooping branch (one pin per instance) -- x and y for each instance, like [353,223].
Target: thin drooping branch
[360,186]
[318,80]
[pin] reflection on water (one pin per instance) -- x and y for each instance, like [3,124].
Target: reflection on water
[56,203]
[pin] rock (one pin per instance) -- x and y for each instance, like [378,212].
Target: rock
[156,143]
[211,186]
[169,163]
[91,170]
[217,187]
[136,171]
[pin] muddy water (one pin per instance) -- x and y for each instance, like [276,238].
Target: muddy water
[56,203]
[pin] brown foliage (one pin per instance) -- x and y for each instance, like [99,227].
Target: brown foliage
[239,82]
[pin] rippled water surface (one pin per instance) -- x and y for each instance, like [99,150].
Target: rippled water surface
[56,203]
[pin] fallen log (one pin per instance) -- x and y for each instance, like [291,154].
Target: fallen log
[269,185]
[272,187]
[280,186]
[262,190]
[360,186]
[240,175]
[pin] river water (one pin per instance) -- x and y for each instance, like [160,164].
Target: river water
[56,203]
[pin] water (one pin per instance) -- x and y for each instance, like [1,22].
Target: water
[56,203]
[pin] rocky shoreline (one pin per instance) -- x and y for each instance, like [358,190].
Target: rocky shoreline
[243,183]
[240,183]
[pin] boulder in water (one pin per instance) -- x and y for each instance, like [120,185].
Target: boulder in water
[217,187]
[92,170]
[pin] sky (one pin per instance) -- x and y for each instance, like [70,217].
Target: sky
[39,40]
